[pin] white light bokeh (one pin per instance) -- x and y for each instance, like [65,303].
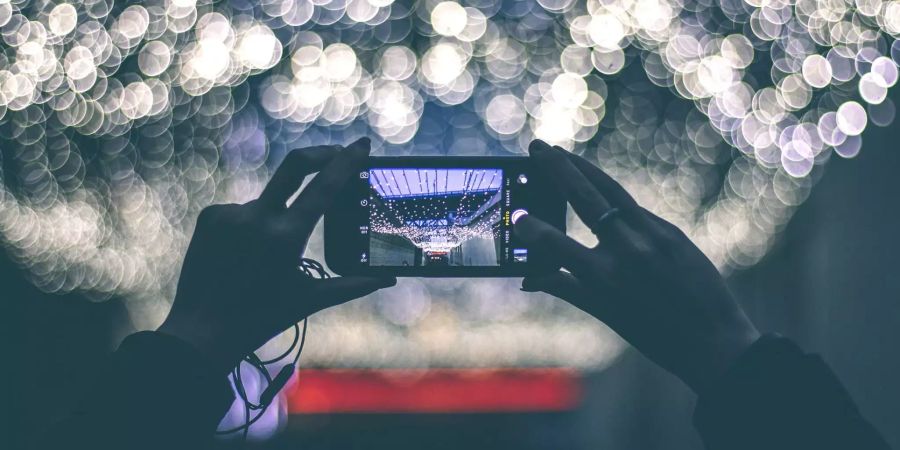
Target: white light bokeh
[63,19]
[123,120]
[449,18]
[851,118]
[505,114]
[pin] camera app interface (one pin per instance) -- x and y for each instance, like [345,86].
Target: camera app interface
[439,217]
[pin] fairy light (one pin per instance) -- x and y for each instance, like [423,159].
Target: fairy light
[119,122]
[432,217]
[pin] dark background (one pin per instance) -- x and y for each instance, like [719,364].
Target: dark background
[830,283]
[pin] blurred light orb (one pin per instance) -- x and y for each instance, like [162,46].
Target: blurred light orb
[850,147]
[556,5]
[476,25]
[305,56]
[443,63]
[80,68]
[361,11]
[338,62]
[411,303]
[209,60]
[606,31]
[576,59]
[505,114]
[137,100]
[887,69]
[842,64]
[555,124]
[259,48]
[738,50]
[829,131]
[6,12]
[882,114]
[449,18]
[569,90]
[794,92]
[126,119]
[131,25]
[394,111]
[817,71]
[715,74]
[892,17]
[851,118]
[63,18]
[154,58]
[872,88]
[397,63]
[653,15]
[608,62]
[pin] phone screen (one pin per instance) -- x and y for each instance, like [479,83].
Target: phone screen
[437,217]
[423,217]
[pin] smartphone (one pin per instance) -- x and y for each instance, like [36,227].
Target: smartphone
[426,216]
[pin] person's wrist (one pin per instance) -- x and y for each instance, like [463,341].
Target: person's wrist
[202,340]
[721,355]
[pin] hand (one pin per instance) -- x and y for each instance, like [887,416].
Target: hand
[645,279]
[240,285]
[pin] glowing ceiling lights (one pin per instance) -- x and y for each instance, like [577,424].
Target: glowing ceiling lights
[436,209]
[120,121]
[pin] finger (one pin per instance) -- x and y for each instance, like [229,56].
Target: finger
[290,174]
[322,190]
[585,199]
[334,291]
[614,192]
[558,284]
[596,299]
[608,187]
[662,227]
[550,241]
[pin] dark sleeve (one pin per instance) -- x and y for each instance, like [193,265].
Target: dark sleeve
[778,397]
[156,392]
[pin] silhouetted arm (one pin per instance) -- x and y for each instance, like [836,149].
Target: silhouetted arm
[239,287]
[778,397]
[655,288]
[156,392]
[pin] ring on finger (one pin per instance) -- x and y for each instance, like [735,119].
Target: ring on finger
[604,218]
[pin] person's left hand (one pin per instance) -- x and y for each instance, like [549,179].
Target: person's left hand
[644,278]
[240,285]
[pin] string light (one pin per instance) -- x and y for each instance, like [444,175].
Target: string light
[119,122]
[432,217]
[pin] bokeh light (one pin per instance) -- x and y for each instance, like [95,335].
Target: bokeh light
[119,122]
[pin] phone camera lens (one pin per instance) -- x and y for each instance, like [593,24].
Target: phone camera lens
[522,179]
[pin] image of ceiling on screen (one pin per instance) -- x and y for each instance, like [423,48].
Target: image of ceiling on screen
[435,217]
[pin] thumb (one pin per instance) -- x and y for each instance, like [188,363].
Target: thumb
[334,291]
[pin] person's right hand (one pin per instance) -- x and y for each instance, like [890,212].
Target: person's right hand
[645,279]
